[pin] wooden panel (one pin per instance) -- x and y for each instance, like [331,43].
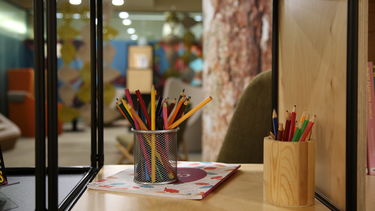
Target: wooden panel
[362,102]
[371,30]
[243,191]
[312,75]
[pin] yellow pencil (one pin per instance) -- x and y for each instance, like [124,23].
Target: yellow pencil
[153,162]
[191,112]
[126,106]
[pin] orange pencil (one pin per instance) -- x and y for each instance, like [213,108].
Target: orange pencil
[137,118]
[308,129]
[191,112]
[175,111]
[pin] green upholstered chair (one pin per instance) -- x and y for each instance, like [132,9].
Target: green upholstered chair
[250,123]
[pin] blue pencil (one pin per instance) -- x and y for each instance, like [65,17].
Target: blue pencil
[275,122]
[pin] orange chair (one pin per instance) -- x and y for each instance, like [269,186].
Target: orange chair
[21,101]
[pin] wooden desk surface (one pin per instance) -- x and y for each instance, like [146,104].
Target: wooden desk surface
[242,191]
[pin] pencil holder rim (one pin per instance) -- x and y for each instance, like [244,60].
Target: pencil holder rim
[154,131]
[288,142]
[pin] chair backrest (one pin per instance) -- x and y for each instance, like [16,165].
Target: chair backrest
[21,79]
[172,89]
[250,123]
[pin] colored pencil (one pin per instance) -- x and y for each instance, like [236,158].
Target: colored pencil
[183,108]
[292,123]
[308,129]
[126,105]
[296,133]
[153,161]
[158,107]
[165,115]
[175,111]
[129,97]
[287,126]
[274,122]
[144,108]
[303,128]
[280,132]
[191,112]
[136,118]
[124,112]
[171,106]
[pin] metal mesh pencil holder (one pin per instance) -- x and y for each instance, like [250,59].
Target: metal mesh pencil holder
[155,156]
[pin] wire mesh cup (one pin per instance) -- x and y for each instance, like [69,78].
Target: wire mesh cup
[155,156]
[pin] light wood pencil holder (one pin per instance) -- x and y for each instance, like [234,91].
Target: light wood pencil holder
[289,173]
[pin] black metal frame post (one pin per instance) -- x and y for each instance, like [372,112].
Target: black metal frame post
[275,54]
[52,106]
[93,83]
[40,133]
[97,155]
[100,83]
[351,99]
[351,105]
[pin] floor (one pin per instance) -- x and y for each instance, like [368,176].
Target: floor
[74,148]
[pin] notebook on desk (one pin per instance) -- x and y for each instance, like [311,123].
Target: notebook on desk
[195,181]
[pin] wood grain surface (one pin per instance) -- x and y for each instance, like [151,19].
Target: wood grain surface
[242,191]
[363,27]
[289,173]
[312,75]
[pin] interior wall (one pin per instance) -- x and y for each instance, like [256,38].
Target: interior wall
[12,48]
[237,46]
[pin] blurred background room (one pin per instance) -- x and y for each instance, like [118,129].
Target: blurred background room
[210,48]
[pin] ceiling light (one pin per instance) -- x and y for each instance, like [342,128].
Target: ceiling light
[126,22]
[198,18]
[75,2]
[134,37]
[76,16]
[123,15]
[131,30]
[117,2]
[59,15]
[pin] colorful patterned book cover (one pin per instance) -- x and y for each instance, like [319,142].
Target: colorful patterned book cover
[195,181]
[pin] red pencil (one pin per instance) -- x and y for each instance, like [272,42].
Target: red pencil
[143,107]
[308,129]
[292,123]
[287,126]
[280,132]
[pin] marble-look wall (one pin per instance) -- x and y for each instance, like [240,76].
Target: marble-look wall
[237,46]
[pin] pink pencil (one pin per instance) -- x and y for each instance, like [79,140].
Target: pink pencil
[165,115]
[128,97]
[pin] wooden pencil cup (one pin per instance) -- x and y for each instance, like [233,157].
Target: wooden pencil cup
[289,173]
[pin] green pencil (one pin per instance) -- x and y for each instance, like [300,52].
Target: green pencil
[304,125]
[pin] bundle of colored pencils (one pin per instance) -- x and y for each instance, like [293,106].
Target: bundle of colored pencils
[294,130]
[164,114]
